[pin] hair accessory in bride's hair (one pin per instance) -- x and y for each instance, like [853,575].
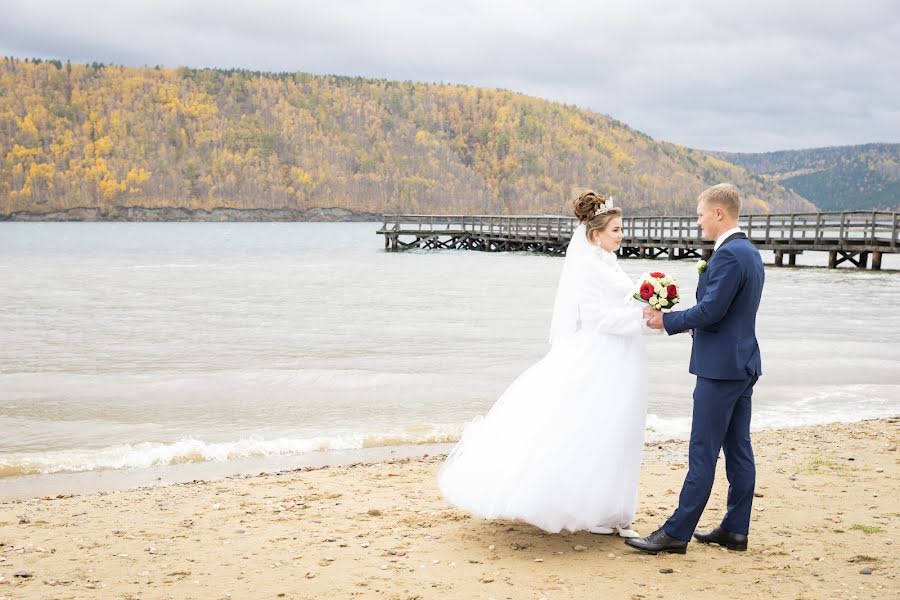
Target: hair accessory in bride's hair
[606,207]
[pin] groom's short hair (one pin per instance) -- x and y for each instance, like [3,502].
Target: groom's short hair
[725,195]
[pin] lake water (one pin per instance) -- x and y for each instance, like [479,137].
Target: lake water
[135,346]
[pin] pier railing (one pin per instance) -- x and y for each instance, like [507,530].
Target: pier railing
[873,228]
[847,236]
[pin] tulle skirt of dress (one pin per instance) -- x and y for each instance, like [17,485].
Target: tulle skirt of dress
[562,447]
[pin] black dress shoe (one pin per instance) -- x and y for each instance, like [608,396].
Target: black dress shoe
[732,541]
[658,541]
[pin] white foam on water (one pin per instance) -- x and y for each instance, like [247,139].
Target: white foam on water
[803,407]
[825,406]
[152,454]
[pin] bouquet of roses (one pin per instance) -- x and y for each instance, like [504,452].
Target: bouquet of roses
[658,290]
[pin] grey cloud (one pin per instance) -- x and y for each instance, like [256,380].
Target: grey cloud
[734,76]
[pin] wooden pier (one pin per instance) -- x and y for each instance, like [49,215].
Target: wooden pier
[851,237]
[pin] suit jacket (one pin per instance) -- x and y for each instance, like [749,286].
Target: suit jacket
[724,318]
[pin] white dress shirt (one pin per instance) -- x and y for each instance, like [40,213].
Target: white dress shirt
[724,237]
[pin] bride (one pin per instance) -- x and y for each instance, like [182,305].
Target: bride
[561,448]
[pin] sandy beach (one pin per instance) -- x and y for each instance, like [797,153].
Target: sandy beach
[826,525]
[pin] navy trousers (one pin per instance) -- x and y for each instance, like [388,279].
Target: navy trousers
[721,420]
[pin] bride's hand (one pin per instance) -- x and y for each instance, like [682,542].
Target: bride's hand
[656,319]
[648,312]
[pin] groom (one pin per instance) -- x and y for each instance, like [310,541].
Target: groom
[725,358]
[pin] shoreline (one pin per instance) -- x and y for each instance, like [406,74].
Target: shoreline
[824,525]
[80,483]
[143,214]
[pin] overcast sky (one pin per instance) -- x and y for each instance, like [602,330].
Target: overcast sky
[741,76]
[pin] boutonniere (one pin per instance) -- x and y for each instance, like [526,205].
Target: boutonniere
[701,266]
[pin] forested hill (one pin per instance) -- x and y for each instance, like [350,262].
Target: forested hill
[104,140]
[834,178]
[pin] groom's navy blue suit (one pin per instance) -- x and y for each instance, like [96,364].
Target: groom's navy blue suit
[725,358]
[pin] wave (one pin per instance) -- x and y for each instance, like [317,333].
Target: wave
[841,405]
[659,428]
[191,450]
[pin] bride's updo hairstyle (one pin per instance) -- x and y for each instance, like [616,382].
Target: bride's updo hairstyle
[592,210]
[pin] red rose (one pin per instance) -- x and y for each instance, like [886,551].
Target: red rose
[657,275]
[671,292]
[646,290]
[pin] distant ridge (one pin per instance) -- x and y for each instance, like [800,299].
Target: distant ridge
[833,178]
[109,142]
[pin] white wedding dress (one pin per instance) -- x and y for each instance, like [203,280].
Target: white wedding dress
[562,447]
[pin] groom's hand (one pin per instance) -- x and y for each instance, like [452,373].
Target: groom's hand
[655,320]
